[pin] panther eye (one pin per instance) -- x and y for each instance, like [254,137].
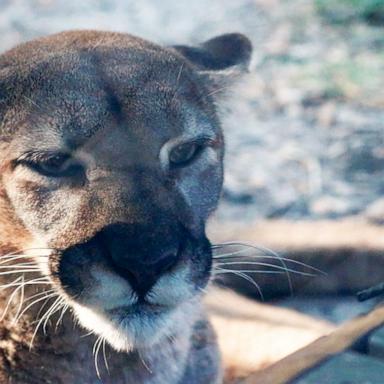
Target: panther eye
[183,154]
[52,165]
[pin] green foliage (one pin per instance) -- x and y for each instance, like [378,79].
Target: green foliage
[351,78]
[342,11]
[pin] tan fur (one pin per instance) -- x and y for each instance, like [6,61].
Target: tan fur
[12,232]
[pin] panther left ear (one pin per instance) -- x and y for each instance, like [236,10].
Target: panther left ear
[220,60]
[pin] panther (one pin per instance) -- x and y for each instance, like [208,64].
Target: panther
[111,159]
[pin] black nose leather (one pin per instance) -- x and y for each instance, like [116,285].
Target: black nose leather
[141,254]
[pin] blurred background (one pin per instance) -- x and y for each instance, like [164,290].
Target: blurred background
[304,131]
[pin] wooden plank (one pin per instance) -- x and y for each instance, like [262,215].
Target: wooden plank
[319,351]
[252,335]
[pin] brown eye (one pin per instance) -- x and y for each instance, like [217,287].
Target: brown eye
[51,165]
[56,165]
[183,154]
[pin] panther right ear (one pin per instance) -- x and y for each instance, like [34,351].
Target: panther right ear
[220,60]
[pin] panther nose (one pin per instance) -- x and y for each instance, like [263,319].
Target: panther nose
[143,275]
[140,256]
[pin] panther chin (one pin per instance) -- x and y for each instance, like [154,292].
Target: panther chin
[139,326]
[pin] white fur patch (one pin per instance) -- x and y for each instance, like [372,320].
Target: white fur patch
[109,290]
[39,251]
[104,306]
[136,331]
[172,288]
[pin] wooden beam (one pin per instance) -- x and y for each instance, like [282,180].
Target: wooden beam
[323,348]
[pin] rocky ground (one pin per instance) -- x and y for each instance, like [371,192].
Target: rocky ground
[310,140]
[305,135]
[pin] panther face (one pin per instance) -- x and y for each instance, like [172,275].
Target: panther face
[111,162]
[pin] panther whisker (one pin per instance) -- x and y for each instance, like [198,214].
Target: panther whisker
[232,253]
[87,334]
[21,255]
[216,91]
[56,306]
[267,265]
[13,258]
[19,266]
[11,299]
[96,348]
[39,294]
[7,259]
[19,271]
[273,255]
[249,279]
[203,290]
[269,272]
[146,366]
[264,249]
[105,355]
[228,256]
[42,319]
[253,271]
[177,82]
[42,308]
[28,264]
[20,251]
[32,304]
[64,310]
[29,282]
[21,296]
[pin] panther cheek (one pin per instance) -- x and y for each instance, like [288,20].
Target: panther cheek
[39,251]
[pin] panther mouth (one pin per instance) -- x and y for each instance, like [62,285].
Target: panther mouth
[125,292]
[141,308]
[138,326]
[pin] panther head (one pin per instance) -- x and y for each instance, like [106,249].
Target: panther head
[111,157]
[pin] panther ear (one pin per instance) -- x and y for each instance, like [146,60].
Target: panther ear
[220,60]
